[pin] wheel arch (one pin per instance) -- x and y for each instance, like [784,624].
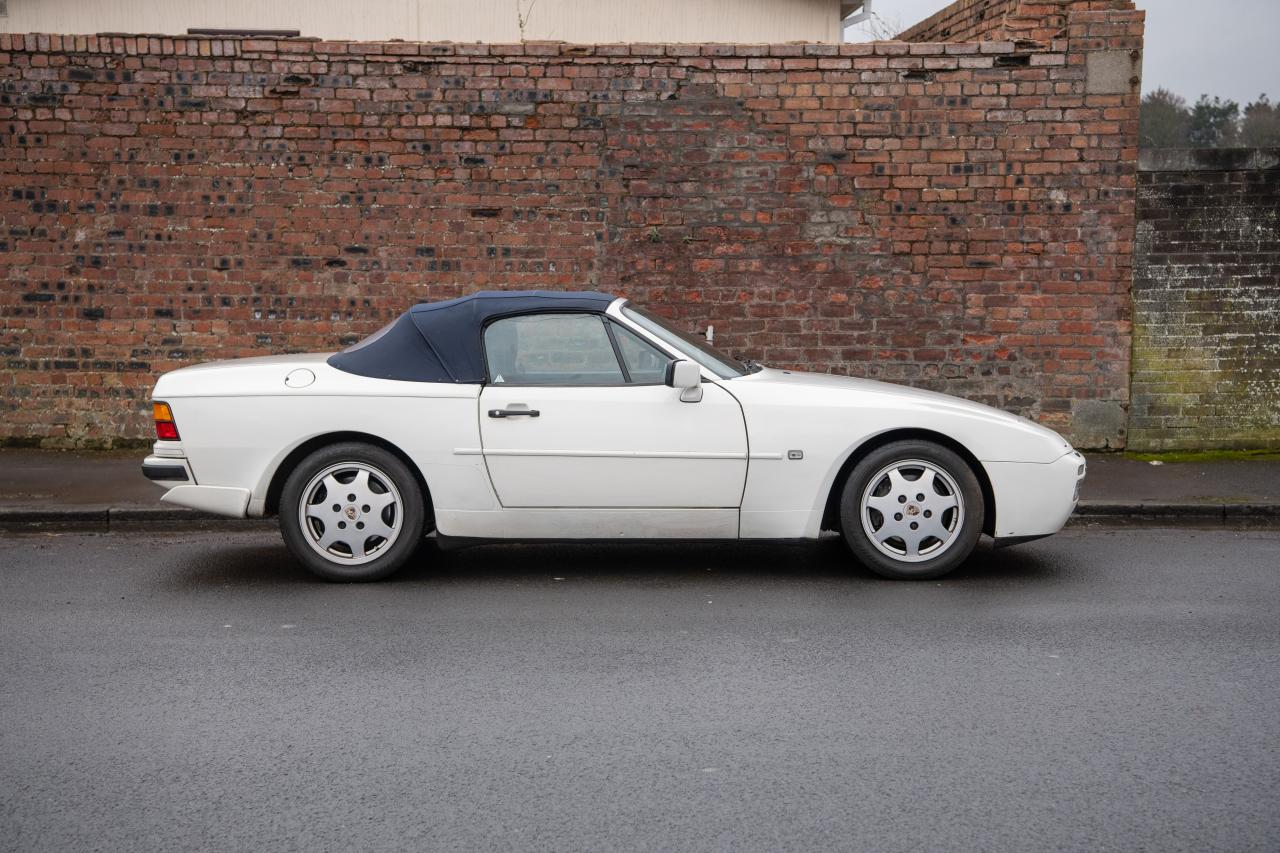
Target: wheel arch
[306,448]
[831,512]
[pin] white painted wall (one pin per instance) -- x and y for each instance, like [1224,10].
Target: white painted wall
[580,21]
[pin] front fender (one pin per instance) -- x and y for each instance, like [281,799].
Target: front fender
[827,420]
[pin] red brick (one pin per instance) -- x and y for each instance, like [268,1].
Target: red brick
[821,211]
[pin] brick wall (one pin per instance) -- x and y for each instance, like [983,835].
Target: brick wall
[966,20]
[954,216]
[1206,292]
[990,20]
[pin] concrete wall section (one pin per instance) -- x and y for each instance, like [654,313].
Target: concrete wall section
[1206,292]
[580,21]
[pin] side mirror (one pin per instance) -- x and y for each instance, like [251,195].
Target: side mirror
[687,376]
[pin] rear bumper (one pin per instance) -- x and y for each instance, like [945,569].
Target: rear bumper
[219,500]
[174,474]
[167,471]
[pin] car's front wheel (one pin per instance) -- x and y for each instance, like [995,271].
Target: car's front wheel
[911,510]
[351,512]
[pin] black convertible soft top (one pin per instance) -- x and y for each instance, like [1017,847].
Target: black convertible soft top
[442,341]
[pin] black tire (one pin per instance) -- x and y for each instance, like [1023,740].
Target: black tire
[917,554]
[362,554]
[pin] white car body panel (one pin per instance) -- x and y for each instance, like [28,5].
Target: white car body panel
[239,421]
[219,500]
[817,414]
[590,523]
[623,446]
[599,462]
[1031,499]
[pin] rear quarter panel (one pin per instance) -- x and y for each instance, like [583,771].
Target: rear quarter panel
[238,422]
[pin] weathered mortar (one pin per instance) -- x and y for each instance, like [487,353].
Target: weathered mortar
[1206,350]
[956,216]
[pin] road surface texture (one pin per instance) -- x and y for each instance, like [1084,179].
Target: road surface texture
[1101,690]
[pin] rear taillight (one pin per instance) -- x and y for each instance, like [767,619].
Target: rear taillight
[166,429]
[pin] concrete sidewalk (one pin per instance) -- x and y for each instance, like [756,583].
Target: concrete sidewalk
[49,490]
[1236,492]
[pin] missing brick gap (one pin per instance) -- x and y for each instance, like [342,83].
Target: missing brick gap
[1013,60]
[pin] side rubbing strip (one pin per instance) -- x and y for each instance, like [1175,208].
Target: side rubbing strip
[620,454]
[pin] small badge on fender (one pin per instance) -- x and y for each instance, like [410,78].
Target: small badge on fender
[795,454]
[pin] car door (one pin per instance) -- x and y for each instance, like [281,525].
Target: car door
[576,414]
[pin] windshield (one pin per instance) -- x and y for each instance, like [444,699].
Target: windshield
[724,366]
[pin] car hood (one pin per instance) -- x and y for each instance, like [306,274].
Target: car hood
[826,384]
[833,382]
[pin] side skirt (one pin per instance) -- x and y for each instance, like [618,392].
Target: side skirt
[616,525]
[457,543]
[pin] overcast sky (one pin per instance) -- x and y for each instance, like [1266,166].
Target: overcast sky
[1228,47]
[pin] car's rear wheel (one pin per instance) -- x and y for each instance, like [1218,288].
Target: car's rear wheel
[911,510]
[351,512]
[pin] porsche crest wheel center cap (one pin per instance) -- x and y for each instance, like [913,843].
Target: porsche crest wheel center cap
[351,512]
[912,509]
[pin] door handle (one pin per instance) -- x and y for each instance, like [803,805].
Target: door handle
[512,413]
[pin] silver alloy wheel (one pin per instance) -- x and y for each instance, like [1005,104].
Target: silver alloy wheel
[912,510]
[350,513]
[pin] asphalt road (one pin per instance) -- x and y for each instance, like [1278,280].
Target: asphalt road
[1101,690]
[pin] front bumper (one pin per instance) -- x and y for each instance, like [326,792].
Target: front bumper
[1035,500]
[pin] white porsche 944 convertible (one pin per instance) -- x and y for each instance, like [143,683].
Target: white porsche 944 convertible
[538,415]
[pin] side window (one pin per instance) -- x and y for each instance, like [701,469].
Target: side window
[551,349]
[646,365]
